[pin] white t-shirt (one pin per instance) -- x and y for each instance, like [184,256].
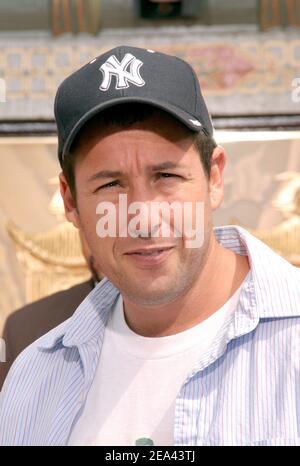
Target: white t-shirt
[138,379]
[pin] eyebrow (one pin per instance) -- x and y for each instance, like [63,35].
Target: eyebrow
[163,166]
[105,174]
[116,173]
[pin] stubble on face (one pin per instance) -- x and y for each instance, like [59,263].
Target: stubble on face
[140,145]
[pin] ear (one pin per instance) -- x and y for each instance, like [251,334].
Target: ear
[69,202]
[216,182]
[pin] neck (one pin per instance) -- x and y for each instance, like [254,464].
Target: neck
[222,274]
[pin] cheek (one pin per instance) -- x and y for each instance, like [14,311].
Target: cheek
[88,223]
[196,188]
[103,249]
[197,223]
[87,206]
[103,252]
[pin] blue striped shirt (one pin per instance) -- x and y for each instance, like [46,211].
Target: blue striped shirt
[244,391]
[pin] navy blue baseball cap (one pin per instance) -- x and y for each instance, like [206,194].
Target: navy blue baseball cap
[129,74]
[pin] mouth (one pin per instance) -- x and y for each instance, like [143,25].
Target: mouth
[150,256]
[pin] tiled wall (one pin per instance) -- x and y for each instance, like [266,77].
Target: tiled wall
[242,72]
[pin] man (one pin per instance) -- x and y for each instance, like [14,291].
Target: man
[29,323]
[184,343]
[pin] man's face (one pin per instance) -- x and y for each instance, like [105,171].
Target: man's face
[150,161]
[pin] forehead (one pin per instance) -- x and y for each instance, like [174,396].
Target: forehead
[159,130]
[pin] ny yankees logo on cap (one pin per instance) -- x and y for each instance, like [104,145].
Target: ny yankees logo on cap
[126,75]
[112,67]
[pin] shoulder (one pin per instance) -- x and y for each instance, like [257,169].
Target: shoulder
[50,349]
[30,322]
[33,390]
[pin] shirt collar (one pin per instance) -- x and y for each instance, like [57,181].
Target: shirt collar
[274,288]
[88,321]
[271,291]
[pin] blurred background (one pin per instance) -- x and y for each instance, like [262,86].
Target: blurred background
[247,56]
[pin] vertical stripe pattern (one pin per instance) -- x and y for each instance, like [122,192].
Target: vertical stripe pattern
[244,391]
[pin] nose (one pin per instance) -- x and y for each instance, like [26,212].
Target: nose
[142,220]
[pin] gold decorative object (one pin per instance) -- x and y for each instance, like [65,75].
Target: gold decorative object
[51,261]
[285,237]
[56,205]
[288,198]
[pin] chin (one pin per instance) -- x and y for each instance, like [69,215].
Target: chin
[151,296]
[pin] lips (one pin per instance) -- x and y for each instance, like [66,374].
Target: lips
[153,253]
[149,251]
[149,257]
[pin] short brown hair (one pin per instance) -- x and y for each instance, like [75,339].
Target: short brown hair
[124,116]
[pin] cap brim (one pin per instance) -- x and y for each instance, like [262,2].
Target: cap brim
[189,120]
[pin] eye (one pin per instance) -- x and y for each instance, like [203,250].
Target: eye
[111,184]
[168,175]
